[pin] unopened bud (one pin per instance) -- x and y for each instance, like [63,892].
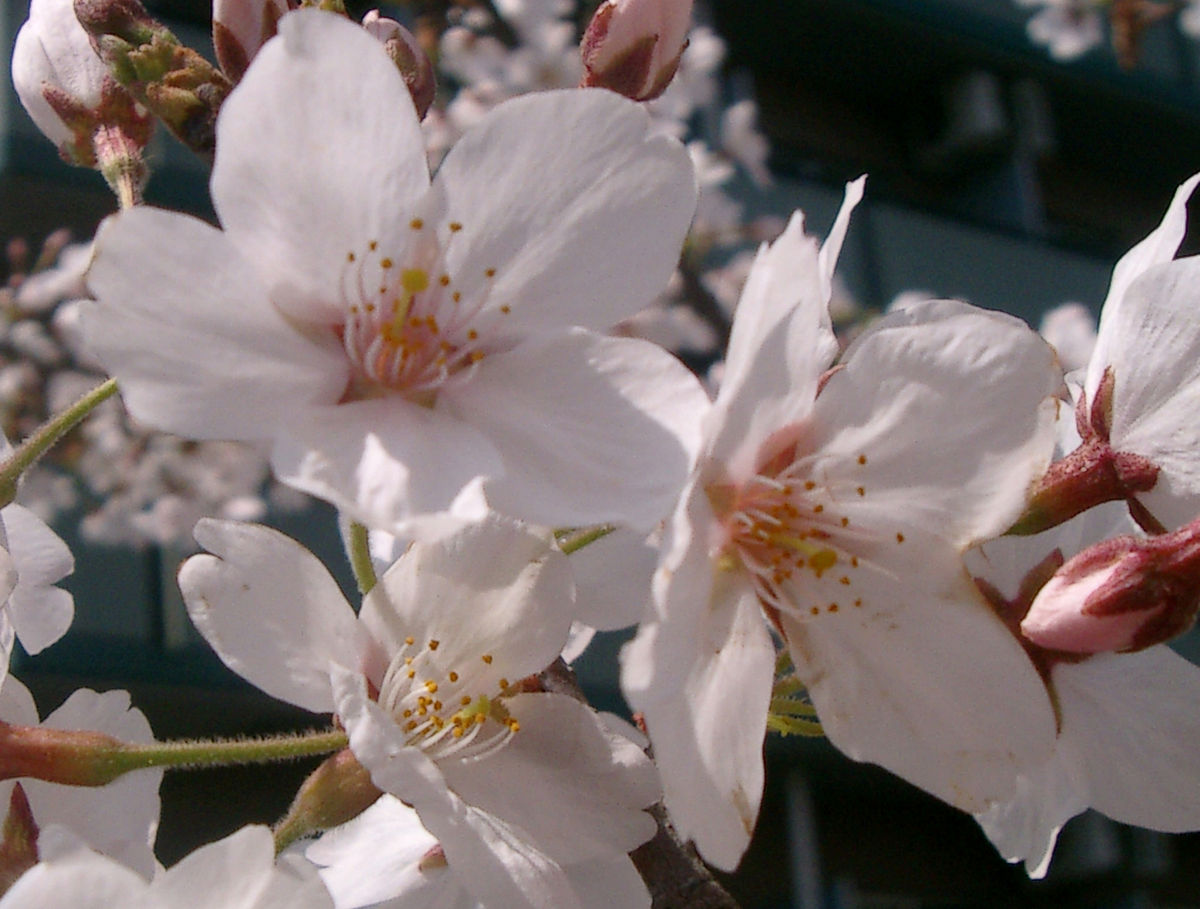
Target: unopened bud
[18,840]
[174,82]
[1121,595]
[633,47]
[241,27]
[66,87]
[336,792]
[408,55]
[67,756]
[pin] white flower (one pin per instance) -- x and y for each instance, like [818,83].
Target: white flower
[119,819]
[1142,388]
[385,854]
[426,680]
[32,560]
[413,348]
[238,872]
[1071,330]
[833,509]
[1068,28]
[1127,723]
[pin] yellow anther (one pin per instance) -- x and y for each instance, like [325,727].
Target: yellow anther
[433,645]
[414,280]
[385,262]
[455,227]
[487,658]
[453,676]
[431,686]
[821,560]
[416,223]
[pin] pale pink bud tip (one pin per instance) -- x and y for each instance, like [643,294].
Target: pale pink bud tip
[1123,594]
[633,47]
[408,55]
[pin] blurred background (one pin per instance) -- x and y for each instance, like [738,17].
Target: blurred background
[999,174]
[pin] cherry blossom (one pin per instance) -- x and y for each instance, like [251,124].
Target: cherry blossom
[120,819]
[427,681]
[832,509]
[1127,725]
[416,351]
[238,872]
[32,560]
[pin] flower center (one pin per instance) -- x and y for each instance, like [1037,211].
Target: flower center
[447,711]
[409,327]
[794,529]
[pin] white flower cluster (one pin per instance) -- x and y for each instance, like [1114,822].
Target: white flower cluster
[905,542]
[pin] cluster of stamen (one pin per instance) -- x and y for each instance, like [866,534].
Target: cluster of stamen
[794,536]
[438,708]
[408,327]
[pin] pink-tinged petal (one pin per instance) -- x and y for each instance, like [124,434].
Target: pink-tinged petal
[490,859]
[591,428]
[923,679]
[947,413]
[319,152]
[574,789]
[185,326]
[1130,727]
[271,611]
[701,675]
[1155,359]
[41,613]
[1025,828]
[494,589]
[1156,249]
[612,579]
[582,230]
[389,463]
[240,27]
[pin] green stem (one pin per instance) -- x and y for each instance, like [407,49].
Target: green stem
[191,755]
[46,436]
[574,540]
[359,549]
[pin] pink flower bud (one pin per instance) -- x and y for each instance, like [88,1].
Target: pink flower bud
[633,47]
[240,28]
[408,55]
[1123,594]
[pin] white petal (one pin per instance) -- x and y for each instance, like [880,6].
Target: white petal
[927,682]
[319,151]
[82,880]
[1157,248]
[574,789]
[185,326]
[782,337]
[1155,357]
[950,411]
[832,247]
[1025,828]
[581,212]
[701,675]
[609,884]
[120,819]
[375,857]
[391,464]
[232,872]
[271,611]
[494,589]
[1131,725]
[612,579]
[591,429]
[41,613]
